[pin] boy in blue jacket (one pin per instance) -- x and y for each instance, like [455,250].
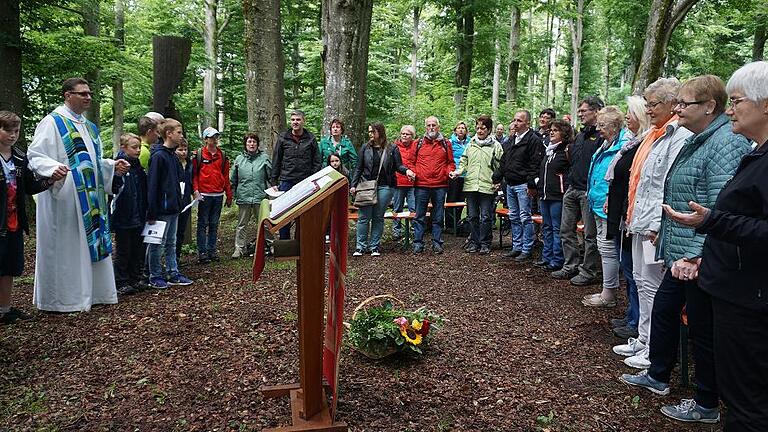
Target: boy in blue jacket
[129,211]
[164,197]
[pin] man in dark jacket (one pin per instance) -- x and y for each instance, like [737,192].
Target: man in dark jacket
[519,167]
[295,157]
[575,205]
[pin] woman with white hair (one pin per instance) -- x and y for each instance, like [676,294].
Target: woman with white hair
[649,170]
[732,264]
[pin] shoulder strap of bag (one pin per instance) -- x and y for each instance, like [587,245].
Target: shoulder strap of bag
[381,161]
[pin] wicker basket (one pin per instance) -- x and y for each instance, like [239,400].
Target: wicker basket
[362,306]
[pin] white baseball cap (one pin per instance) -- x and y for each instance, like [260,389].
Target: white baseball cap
[210,132]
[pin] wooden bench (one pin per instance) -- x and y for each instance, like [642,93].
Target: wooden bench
[504,212]
[405,216]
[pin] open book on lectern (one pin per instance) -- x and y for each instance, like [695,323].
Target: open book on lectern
[301,191]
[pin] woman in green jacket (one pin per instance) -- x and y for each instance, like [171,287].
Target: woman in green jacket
[477,163]
[340,144]
[249,177]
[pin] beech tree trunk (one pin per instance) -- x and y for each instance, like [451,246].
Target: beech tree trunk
[170,57]
[11,95]
[550,38]
[465,27]
[664,17]
[346,27]
[513,60]
[264,67]
[91,10]
[210,31]
[415,50]
[758,46]
[577,28]
[496,79]
[118,97]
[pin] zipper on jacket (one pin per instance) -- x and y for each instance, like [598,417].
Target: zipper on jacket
[738,254]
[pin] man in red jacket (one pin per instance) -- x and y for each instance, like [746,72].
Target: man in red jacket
[432,163]
[210,182]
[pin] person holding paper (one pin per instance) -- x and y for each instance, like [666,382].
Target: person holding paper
[73,266]
[249,178]
[164,182]
[129,213]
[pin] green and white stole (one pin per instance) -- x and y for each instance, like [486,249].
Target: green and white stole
[90,191]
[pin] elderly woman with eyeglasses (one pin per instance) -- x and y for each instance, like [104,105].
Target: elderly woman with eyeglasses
[706,162]
[649,169]
[734,256]
[610,123]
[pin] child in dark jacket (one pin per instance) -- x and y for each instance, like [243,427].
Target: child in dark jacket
[164,204]
[182,152]
[16,181]
[129,210]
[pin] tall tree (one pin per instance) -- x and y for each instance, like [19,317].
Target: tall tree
[665,15]
[210,39]
[91,26]
[415,49]
[758,46]
[346,27]
[513,59]
[465,27]
[577,37]
[264,65]
[496,78]
[11,96]
[118,95]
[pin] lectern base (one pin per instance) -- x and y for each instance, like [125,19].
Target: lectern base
[319,422]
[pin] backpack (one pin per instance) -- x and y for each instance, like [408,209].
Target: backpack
[420,142]
[199,160]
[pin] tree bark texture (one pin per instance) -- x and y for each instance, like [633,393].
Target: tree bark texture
[496,79]
[513,60]
[118,95]
[758,46]
[346,28]
[11,95]
[170,56]
[415,50]
[664,17]
[91,26]
[577,28]
[210,32]
[465,27]
[264,65]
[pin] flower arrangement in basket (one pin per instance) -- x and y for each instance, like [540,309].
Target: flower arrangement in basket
[379,331]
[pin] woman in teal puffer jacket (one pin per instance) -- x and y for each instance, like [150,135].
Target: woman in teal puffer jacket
[249,176]
[610,123]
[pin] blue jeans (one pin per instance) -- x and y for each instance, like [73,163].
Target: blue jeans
[625,262]
[423,197]
[373,215]
[208,215]
[523,231]
[551,212]
[285,232]
[166,248]
[480,216]
[401,196]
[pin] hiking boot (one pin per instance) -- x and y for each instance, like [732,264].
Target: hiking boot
[214,257]
[639,360]
[375,252]
[179,280]
[358,252]
[625,332]
[619,322]
[158,283]
[632,347]
[126,290]
[599,302]
[437,248]
[552,268]
[541,263]
[7,318]
[418,248]
[689,411]
[581,280]
[523,257]
[237,254]
[485,250]
[642,379]
[512,253]
[562,274]
[471,248]
[203,259]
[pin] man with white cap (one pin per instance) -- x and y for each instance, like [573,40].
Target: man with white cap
[210,182]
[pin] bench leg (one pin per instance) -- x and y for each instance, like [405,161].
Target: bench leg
[407,234]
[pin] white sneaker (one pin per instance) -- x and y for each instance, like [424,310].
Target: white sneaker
[632,347]
[358,252]
[639,361]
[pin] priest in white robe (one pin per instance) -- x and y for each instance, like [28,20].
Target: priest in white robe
[73,266]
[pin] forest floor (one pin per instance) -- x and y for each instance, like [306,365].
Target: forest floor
[517,352]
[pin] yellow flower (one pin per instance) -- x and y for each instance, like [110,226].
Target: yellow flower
[410,336]
[416,324]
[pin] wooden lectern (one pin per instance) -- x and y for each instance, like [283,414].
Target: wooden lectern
[318,355]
